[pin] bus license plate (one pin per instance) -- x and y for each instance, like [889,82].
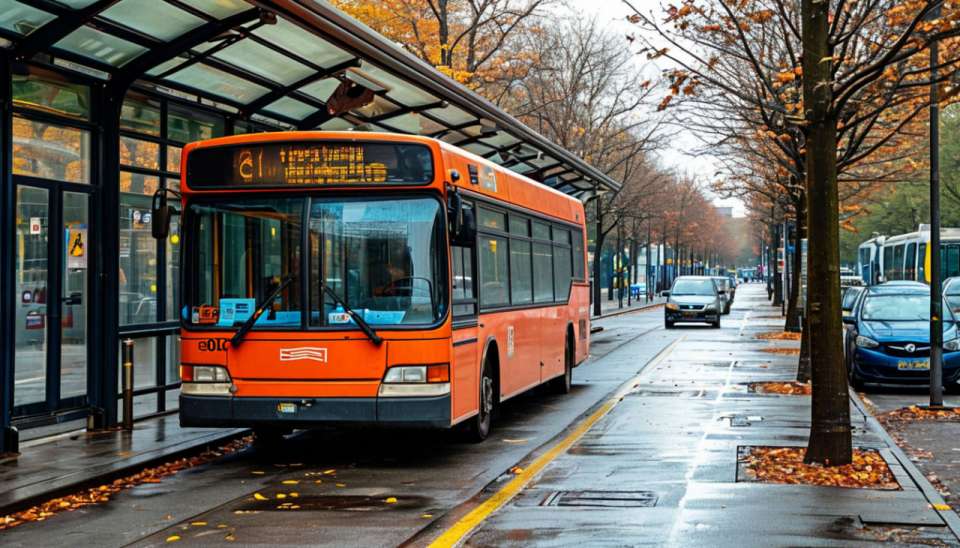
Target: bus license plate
[914,366]
[689,313]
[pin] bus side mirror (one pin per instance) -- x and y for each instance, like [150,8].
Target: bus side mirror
[160,216]
[160,213]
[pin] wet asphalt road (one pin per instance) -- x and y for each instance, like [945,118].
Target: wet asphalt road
[337,488]
[330,487]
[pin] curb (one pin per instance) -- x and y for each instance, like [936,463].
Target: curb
[115,470]
[620,312]
[946,513]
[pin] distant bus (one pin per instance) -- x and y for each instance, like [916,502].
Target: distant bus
[370,278]
[907,256]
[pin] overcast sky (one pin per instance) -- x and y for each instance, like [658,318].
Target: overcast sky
[679,152]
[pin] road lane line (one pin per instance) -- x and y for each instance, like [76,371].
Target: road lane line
[465,525]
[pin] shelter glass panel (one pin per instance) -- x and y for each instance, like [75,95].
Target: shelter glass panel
[21,18]
[219,8]
[157,19]
[306,45]
[100,46]
[50,151]
[138,262]
[263,61]
[30,273]
[48,92]
[73,316]
[139,153]
[140,115]
[186,125]
[217,82]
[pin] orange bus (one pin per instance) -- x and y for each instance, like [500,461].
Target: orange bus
[371,278]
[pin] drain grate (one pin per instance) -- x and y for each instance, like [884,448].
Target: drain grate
[605,499]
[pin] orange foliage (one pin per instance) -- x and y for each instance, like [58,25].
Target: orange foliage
[785,465]
[102,494]
[787,388]
[778,336]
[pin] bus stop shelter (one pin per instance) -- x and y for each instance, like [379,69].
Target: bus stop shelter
[100,96]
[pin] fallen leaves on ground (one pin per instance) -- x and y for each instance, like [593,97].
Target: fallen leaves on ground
[785,465]
[778,336]
[102,493]
[916,413]
[783,351]
[791,388]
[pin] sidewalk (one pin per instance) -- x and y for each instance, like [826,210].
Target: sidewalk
[662,466]
[612,308]
[68,462]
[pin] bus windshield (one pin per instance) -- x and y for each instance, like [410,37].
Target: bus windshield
[383,257]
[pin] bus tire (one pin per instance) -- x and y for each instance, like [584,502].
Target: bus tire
[563,383]
[478,427]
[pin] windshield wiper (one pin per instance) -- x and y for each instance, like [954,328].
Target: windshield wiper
[357,319]
[248,324]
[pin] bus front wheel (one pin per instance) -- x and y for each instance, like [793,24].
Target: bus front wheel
[479,426]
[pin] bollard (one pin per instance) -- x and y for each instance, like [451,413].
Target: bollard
[127,355]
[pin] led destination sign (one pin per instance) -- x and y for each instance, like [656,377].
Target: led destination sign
[309,163]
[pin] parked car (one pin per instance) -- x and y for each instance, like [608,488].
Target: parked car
[726,293]
[888,341]
[849,278]
[847,303]
[693,299]
[951,294]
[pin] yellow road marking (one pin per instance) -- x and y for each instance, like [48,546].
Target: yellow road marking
[459,530]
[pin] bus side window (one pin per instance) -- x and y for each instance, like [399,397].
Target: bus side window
[464,295]
[889,267]
[922,263]
[898,262]
[911,268]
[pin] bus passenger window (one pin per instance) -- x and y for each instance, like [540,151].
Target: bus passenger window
[464,299]
[911,269]
[898,263]
[494,273]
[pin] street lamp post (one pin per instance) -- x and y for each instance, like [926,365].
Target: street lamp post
[936,297]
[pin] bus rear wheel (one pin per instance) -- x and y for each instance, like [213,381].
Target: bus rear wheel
[562,384]
[478,427]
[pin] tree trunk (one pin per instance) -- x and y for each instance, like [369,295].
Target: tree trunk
[777,275]
[803,370]
[793,303]
[830,437]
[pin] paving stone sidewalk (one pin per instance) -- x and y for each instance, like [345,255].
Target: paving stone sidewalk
[675,438]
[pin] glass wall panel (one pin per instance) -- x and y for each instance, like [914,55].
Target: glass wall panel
[48,92]
[186,125]
[141,115]
[30,273]
[144,362]
[138,262]
[138,153]
[173,268]
[73,315]
[50,151]
[173,359]
[173,159]
[138,183]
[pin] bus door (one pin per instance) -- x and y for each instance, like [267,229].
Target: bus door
[464,369]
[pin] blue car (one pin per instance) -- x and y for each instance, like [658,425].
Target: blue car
[888,337]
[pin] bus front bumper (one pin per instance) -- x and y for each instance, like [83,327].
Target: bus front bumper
[246,412]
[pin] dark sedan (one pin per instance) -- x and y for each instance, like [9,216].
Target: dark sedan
[693,299]
[888,341]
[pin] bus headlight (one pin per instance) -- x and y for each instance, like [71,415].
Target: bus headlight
[866,342]
[416,380]
[205,380]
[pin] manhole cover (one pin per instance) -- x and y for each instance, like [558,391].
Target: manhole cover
[607,499]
